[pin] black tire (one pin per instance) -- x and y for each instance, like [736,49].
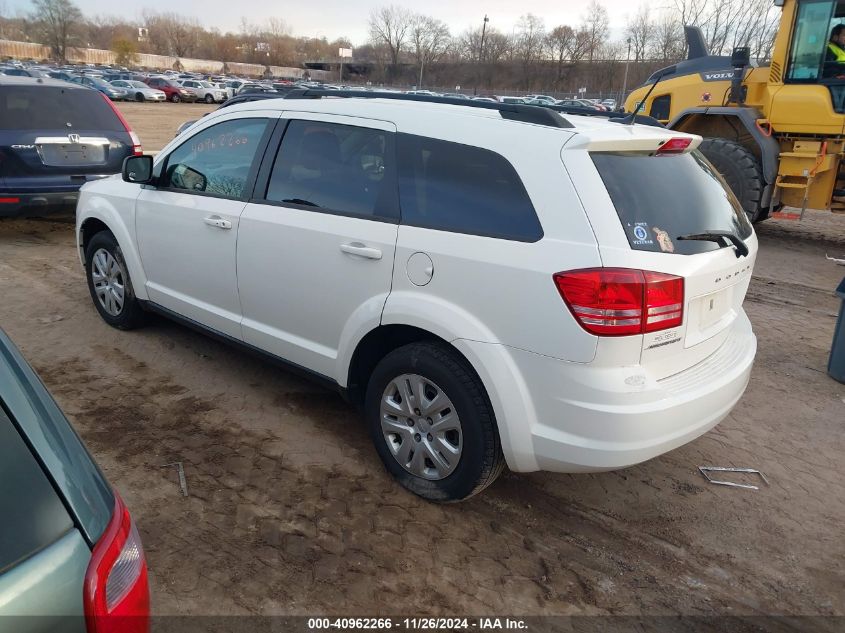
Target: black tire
[139,97]
[175,98]
[209,99]
[481,459]
[131,315]
[741,170]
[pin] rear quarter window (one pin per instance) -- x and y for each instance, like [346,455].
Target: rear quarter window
[660,198]
[464,189]
[55,108]
[33,516]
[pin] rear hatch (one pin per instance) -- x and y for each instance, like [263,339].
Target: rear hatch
[55,138]
[641,201]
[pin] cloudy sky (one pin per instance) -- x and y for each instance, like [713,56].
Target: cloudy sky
[336,18]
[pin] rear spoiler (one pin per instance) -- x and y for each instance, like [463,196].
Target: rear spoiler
[663,144]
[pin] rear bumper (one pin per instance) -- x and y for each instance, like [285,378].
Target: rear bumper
[577,418]
[21,204]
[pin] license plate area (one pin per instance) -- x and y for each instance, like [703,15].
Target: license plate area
[709,314]
[71,155]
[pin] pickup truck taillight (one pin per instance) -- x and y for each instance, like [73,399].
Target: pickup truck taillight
[622,301]
[116,594]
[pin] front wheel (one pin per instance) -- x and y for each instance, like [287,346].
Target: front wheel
[109,283]
[175,98]
[139,97]
[209,99]
[741,170]
[432,424]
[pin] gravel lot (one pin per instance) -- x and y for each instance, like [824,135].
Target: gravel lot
[290,512]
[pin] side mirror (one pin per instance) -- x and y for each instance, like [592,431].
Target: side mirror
[138,169]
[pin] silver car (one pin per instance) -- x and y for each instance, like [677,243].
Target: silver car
[139,91]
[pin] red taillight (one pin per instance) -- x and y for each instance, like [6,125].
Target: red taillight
[622,301]
[664,301]
[116,595]
[9,200]
[137,150]
[675,146]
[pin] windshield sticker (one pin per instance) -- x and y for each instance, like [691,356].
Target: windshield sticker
[664,240]
[641,236]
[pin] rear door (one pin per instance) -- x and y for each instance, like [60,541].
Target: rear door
[639,205]
[316,245]
[56,138]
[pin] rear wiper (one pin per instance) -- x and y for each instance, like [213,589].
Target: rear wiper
[719,237]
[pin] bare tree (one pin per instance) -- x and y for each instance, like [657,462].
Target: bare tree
[172,34]
[594,24]
[530,42]
[640,31]
[390,26]
[431,40]
[667,43]
[57,21]
[559,43]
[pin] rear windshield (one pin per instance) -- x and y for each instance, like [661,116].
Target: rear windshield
[55,108]
[33,514]
[660,198]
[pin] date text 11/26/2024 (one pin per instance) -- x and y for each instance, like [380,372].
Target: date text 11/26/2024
[417,624]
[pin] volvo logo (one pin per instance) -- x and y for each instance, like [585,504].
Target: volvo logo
[73,138]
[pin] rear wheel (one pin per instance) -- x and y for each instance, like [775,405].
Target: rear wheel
[432,423]
[209,99]
[741,170]
[139,96]
[109,283]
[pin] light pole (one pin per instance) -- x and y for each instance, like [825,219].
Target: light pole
[481,53]
[483,32]
[625,82]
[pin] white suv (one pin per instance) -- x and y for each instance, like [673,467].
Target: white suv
[204,90]
[495,284]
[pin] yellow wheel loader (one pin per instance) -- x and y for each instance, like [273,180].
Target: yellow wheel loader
[775,132]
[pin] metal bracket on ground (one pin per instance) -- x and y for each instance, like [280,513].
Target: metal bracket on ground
[183,484]
[722,469]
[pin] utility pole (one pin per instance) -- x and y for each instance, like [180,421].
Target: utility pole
[625,82]
[481,51]
[422,65]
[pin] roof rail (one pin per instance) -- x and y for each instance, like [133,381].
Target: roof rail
[513,112]
[613,117]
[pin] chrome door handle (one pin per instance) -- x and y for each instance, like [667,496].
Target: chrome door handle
[218,222]
[356,248]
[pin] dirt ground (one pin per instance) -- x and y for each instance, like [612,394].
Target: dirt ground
[290,512]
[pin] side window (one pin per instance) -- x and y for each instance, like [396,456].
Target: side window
[216,160]
[809,43]
[660,107]
[465,189]
[341,168]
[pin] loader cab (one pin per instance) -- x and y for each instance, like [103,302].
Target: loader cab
[811,59]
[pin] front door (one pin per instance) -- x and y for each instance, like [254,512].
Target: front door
[315,255]
[188,224]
